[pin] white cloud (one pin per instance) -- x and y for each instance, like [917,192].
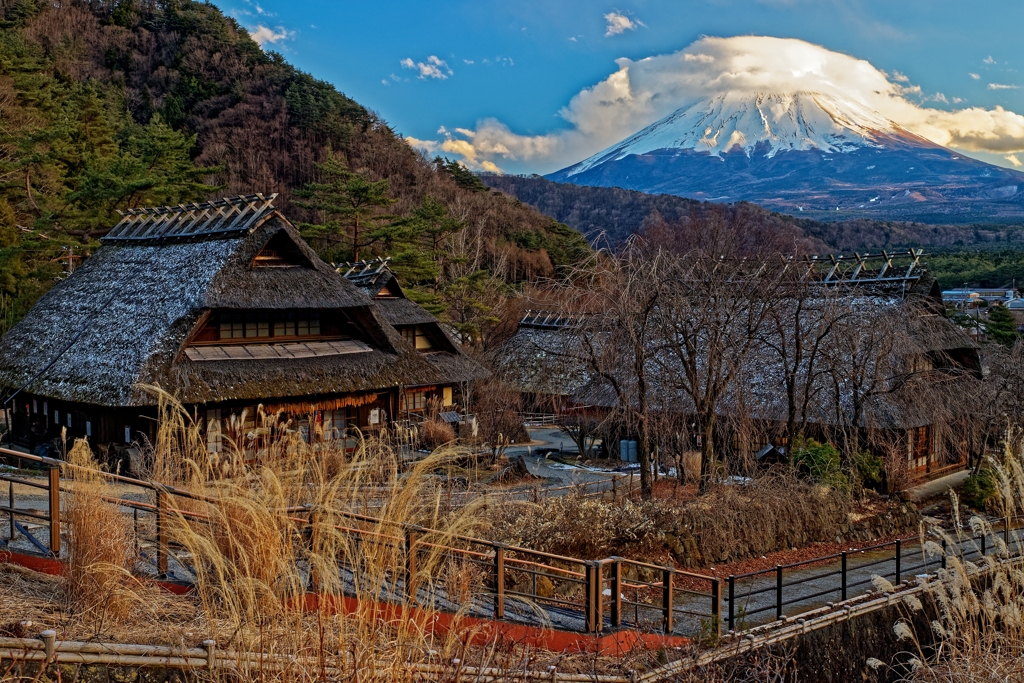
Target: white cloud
[642,91]
[264,34]
[1002,86]
[429,147]
[467,61]
[1012,158]
[620,23]
[989,60]
[434,67]
[976,77]
[902,78]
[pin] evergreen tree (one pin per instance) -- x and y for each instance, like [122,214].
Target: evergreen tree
[420,257]
[462,176]
[1001,327]
[350,206]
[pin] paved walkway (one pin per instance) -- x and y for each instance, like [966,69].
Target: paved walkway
[937,487]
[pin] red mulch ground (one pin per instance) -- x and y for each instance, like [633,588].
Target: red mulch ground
[786,557]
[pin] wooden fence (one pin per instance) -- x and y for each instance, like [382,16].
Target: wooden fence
[575,594]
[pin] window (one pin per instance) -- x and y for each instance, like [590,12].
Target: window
[418,337]
[232,326]
[414,400]
[336,422]
[214,436]
[280,252]
[267,325]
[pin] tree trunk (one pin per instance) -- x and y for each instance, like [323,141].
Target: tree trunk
[644,456]
[790,419]
[707,453]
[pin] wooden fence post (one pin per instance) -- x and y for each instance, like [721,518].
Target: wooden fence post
[54,492]
[616,586]
[161,533]
[499,582]
[666,600]
[592,597]
[716,605]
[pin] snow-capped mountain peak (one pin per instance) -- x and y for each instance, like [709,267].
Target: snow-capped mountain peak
[785,121]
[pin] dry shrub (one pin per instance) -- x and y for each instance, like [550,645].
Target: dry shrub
[772,512]
[691,466]
[730,522]
[897,470]
[578,526]
[434,433]
[101,544]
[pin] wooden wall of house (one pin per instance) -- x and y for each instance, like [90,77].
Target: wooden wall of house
[39,420]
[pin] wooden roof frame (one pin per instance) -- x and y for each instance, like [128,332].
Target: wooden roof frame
[218,218]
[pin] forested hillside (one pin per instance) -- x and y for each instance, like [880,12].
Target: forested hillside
[107,105]
[612,214]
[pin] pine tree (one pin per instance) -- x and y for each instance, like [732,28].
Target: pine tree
[1001,327]
[349,204]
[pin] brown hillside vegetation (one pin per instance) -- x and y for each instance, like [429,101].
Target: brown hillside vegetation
[612,214]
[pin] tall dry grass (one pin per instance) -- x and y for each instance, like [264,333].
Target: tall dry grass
[275,559]
[977,624]
[100,543]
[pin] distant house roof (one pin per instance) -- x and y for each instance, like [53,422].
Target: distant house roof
[125,316]
[373,277]
[379,282]
[546,356]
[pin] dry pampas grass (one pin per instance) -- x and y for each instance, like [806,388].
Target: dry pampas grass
[100,543]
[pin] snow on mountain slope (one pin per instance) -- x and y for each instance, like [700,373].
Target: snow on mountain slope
[805,153]
[786,121]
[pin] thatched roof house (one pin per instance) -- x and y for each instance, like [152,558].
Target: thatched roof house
[224,306]
[563,360]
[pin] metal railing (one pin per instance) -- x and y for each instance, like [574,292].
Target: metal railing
[771,591]
[520,584]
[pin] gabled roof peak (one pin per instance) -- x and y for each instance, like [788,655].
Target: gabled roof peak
[371,276]
[227,217]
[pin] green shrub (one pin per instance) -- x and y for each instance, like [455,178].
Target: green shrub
[822,461]
[979,489]
[870,469]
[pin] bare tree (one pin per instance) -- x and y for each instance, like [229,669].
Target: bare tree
[710,317]
[796,337]
[611,302]
[583,426]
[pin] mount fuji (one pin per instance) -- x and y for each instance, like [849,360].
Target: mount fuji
[804,153]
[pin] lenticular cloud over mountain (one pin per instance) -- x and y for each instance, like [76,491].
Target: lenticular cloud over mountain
[736,69]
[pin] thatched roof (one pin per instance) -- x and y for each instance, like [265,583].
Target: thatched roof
[124,317]
[399,311]
[547,356]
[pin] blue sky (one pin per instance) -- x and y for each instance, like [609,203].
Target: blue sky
[519,63]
